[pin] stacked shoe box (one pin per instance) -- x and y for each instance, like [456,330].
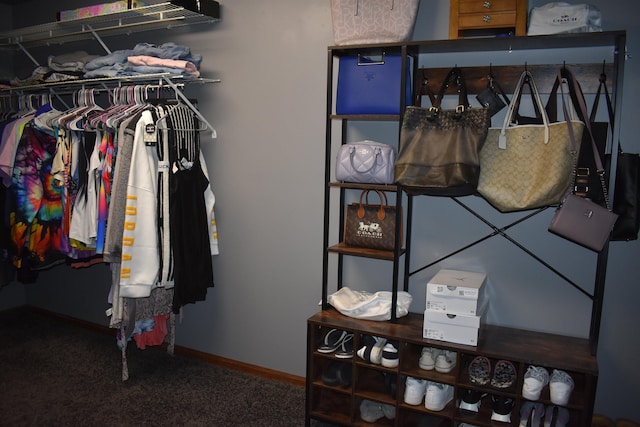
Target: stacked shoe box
[456,306]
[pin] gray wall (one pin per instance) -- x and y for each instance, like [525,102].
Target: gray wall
[267,173]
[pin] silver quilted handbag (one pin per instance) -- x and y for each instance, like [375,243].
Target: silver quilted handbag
[366,162]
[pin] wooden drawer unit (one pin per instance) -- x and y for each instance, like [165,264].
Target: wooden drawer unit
[487,17]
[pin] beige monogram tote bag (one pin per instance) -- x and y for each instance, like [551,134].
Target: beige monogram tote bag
[528,166]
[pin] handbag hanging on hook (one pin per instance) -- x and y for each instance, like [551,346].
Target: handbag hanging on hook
[528,166]
[626,198]
[578,219]
[493,97]
[439,149]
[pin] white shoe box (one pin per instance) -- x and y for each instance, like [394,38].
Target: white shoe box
[456,292]
[455,328]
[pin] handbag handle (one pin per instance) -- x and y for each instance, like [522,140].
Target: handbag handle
[525,78]
[596,101]
[463,100]
[383,202]
[536,110]
[493,84]
[552,103]
[418,99]
[578,97]
[352,152]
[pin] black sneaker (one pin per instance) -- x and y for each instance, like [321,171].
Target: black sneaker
[471,400]
[390,355]
[502,407]
[337,374]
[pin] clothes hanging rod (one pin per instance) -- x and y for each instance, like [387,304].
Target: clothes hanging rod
[110,82]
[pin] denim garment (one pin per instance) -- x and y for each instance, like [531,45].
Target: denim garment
[107,71]
[73,61]
[168,50]
[133,70]
[115,57]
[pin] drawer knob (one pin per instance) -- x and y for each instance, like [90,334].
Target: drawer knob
[487,4]
[486,18]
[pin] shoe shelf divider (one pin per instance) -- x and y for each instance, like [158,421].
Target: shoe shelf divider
[576,356]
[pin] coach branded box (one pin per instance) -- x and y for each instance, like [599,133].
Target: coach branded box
[456,292]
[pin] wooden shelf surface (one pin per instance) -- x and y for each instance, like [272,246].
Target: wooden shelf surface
[532,347]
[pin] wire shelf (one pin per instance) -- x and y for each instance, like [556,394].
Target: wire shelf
[159,16]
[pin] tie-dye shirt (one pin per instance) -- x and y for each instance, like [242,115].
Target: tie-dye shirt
[37,212]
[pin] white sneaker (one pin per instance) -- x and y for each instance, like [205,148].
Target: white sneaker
[446,361]
[437,396]
[560,387]
[414,390]
[428,358]
[534,381]
[371,411]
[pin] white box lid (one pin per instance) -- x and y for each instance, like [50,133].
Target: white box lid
[461,284]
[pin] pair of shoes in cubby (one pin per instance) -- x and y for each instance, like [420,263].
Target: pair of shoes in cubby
[534,414]
[560,384]
[442,361]
[379,351]
[435,395]
[502,376]
[371,411]
[390,383]
[338,341]
[337,374]
[502,406]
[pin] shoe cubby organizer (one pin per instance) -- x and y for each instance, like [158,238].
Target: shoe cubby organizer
[336,399]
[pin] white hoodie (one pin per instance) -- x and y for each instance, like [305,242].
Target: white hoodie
[140,257]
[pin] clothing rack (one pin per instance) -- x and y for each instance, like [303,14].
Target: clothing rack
[158,81]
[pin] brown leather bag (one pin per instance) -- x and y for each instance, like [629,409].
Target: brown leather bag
[371,226]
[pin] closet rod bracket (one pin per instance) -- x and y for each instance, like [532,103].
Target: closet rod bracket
[98,38]
[26,52]
[190,105]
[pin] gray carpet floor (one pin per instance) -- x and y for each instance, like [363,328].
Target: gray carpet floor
[56,373]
